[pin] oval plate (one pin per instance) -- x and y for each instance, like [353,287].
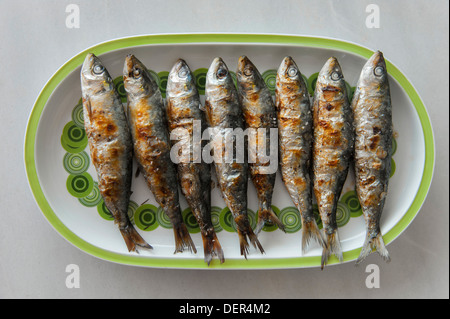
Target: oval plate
[63,181]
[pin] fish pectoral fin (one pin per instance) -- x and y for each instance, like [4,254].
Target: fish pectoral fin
[87,103]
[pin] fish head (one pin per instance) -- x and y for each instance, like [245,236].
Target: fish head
[181,81]
[248,77]
[219,82]
[331,73]
[94,76]
[330,81]
[374,71]
[288,72]
[136,78]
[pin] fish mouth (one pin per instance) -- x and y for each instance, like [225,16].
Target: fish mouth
[377,59]
[243,63]
[331,71]
[131,63]
[285,65]
[88,64]
[180,80]
[180,70]
[331,65]
[179,64]
[217,65]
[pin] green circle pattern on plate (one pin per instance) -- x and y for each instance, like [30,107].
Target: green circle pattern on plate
[154,75]
[93,199]
[120,87]
[227,220]
[290,217]
[73,138]
[76,163]
[312,83]
[270,78]
[394,146]
[163,77]
[77,115]
[393,167]
[163,219]
[145,217]
[190,221]
[215,218]
[342,214]
[80,185]
[350,199]
[132,207]
[103,211]
[200,79]
[317,215]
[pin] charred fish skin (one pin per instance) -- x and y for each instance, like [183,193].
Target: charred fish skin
[110,145]
[183,108]
[332,149]
[295,129]
[223,113]
[151,144]
[260,113]
[372,111]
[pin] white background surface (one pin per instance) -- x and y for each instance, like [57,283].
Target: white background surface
[36,42]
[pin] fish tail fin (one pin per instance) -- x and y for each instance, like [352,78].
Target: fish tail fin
[183,239]
[212,247]
[373,243]
[133,239]
[267,215]
[310,232]
[244,230]
[333,246]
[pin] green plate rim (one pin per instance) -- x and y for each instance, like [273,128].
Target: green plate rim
[181,263]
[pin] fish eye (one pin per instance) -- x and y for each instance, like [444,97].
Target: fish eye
[335,76]
[136,73]
[182,73]
[98,68]
[292,72]
[248,71]
[379,70]
[221,73]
